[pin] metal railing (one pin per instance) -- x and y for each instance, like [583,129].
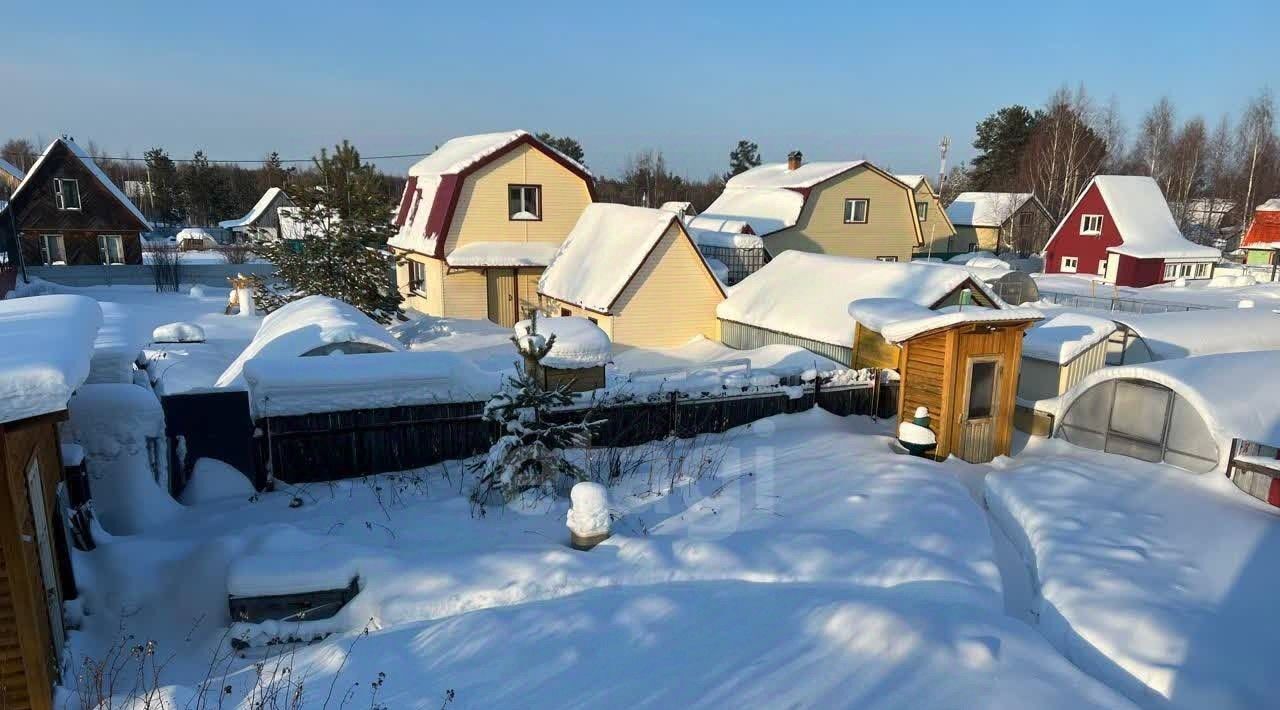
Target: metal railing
[1123,305]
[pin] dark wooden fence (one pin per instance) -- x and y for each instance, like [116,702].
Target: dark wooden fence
[322,447]
[208,424]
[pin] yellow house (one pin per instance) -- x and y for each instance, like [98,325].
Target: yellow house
[637,274]
[935,226]
[837,208]
[1000,222]
[479,221]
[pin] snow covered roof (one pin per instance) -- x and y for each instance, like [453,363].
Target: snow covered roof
[1212,384]
[259,209]
[430,195]
[305,325]
[579,342]
[1142,216]
[56,334]
[808,295]
[293,226]
[729,239]
[1063,337]
[310,385]
[900,319]
[11,170]
[198,234]
[86,160]
[680,208]
[503,254]
[767,197]
[985,209]
[1264,232]
[911,181]
[1205,332]
[602,252]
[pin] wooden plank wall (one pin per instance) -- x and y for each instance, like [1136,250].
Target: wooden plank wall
[926,374]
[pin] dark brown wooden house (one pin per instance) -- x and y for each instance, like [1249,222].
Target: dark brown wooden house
[36,384]
[67,211]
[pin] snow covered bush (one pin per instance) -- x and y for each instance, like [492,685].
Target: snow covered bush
[529,452]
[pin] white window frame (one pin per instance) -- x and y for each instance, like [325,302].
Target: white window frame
[1102,267]
[1071,268]
[46,254]
[60,197]
[887,258]
[1170,272]
[418,277]
[104,248]
[535,209]
[851,210]
[922,210]
[1203,270]
[1090,225]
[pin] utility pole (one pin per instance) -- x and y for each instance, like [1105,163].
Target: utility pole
[943,147]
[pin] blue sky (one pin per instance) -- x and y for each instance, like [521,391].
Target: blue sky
[835,79]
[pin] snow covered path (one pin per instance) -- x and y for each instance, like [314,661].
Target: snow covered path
[816,567]
[1156,581]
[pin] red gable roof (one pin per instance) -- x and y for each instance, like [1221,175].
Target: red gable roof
[1265,228]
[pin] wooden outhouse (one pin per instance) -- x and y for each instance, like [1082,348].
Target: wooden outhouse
[577,358]
[961,362]
[36,383]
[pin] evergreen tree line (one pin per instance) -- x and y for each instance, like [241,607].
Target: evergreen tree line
[1053,150]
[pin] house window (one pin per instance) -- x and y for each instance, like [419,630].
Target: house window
[110,249]
[53,250]
[973,247]
[1202,271]
[524,202]
[1102,267]
[66,193]
[1069,264]
[855,210]
[1171,271]
[417,277]
[1026,220]
[886,258]
[565,312]
[922,211]
[1091,224]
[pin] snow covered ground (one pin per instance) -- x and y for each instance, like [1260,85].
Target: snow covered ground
[1159,582]
[1195,292]
[813,567]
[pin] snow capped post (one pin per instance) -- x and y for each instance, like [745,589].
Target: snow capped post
[915,435]
[588,519]
[242,294]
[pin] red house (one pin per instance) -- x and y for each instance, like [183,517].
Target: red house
[1121,228]
[1262,244]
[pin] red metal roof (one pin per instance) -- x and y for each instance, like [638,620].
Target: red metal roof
[1264,230]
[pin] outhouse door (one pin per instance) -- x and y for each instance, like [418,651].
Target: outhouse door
[503,308]
[979,408]
[38,533]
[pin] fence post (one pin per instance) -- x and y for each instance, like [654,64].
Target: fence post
[675,414]
[817,390]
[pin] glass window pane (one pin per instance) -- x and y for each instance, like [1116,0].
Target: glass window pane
[1135,449]
[1139,411]
[514,200]
[1092,410]
[848,210]
[982,389]
[1189,436]
[1082,437]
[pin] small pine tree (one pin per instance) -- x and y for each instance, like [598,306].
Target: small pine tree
[529,452]
[743,158]
[343,224]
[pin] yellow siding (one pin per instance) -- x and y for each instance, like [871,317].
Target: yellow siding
[527,288]
[983,237]
[936,229]
[553,307]
[466,294]
[671,298]
[430,300]
[482,211]
[890,229]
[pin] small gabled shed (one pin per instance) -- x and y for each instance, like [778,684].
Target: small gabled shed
[961,362]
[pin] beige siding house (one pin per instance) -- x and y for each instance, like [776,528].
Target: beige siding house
[637,274]
[999,222]
[838,208]
[935,227]
[479,221]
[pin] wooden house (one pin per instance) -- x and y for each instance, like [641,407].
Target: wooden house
[36,382]
[67,211]
[850,208]
[636,273]
[935,226]
[479,221]
[1261,243]
[961,362]
[1121,228]
[10,177]
[999,222]
[262,221]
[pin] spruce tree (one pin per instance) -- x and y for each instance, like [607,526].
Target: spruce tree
[569,146]
[339,250]
[743,158]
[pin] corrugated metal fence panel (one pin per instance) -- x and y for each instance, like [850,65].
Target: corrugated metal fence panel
[143,275]
[1086,363]
[748,337]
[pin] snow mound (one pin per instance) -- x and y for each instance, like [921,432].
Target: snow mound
[47,353]
[1205,332]
[180,332]
[1061,338]
[898,319]
[197,291]
[579,342]
[590,512]
[307,325]
[213,480]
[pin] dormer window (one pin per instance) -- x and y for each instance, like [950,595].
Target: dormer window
[66,193]
[1091,225]
[922,211]
[524,202]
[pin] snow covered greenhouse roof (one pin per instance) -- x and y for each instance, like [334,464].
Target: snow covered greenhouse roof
[1205,332]
[56,334]
[310,326]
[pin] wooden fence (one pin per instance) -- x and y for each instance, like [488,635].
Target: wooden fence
[329,446]
[1255,469]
